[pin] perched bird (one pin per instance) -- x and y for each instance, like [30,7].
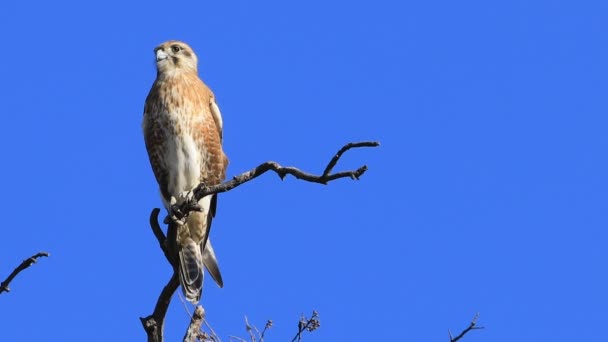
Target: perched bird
[183,133]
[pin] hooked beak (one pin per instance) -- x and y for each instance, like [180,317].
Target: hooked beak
[161,55]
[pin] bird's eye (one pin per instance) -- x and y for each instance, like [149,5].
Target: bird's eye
[175,48]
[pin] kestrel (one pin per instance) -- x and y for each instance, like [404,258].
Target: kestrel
[183,133]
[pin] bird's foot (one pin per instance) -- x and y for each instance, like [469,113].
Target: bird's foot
[181,206]
[189,199]
[175,212]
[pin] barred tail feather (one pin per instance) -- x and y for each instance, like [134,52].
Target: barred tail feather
[191,270]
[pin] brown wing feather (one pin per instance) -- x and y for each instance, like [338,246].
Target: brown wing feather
[217,116]
[207,134]
[154,137]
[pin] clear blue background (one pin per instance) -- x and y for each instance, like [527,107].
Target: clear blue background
[488,194]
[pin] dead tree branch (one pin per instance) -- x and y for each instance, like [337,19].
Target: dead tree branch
[266,327]
[154,324]
[194,329]
[250,330]
[309,325]
[472,326]
[180,211]
[24,264]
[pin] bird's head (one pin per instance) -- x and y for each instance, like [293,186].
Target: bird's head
[174,57]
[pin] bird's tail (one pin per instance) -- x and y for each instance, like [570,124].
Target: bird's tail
[191,270]
[210,262]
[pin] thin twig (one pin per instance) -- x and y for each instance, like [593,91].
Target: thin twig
[249,330]
[472,326]
[237,338]
[214,336]
[266,327]
[257,331]
[345,148]
[4,286]
[311,325]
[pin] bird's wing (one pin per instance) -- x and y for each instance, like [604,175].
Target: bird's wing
[154,137]
[217,117]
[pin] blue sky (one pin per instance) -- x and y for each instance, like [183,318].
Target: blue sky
[488,194]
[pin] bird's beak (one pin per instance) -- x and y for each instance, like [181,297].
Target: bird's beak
[161,55]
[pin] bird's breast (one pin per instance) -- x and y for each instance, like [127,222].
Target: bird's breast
[184,159]
[178,109]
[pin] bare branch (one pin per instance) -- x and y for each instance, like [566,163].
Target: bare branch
[266,327]
[249,329]
[213,336]
[24,264]
[345,148]
[472,326]
[237,338]
[158,232]
[180,211]
[164,242]
[155,323]
[310,325]
[194,329]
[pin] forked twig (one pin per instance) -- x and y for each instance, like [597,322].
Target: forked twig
[309,325]
[472,326]
[181,210]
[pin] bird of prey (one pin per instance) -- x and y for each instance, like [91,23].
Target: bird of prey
[182,128]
